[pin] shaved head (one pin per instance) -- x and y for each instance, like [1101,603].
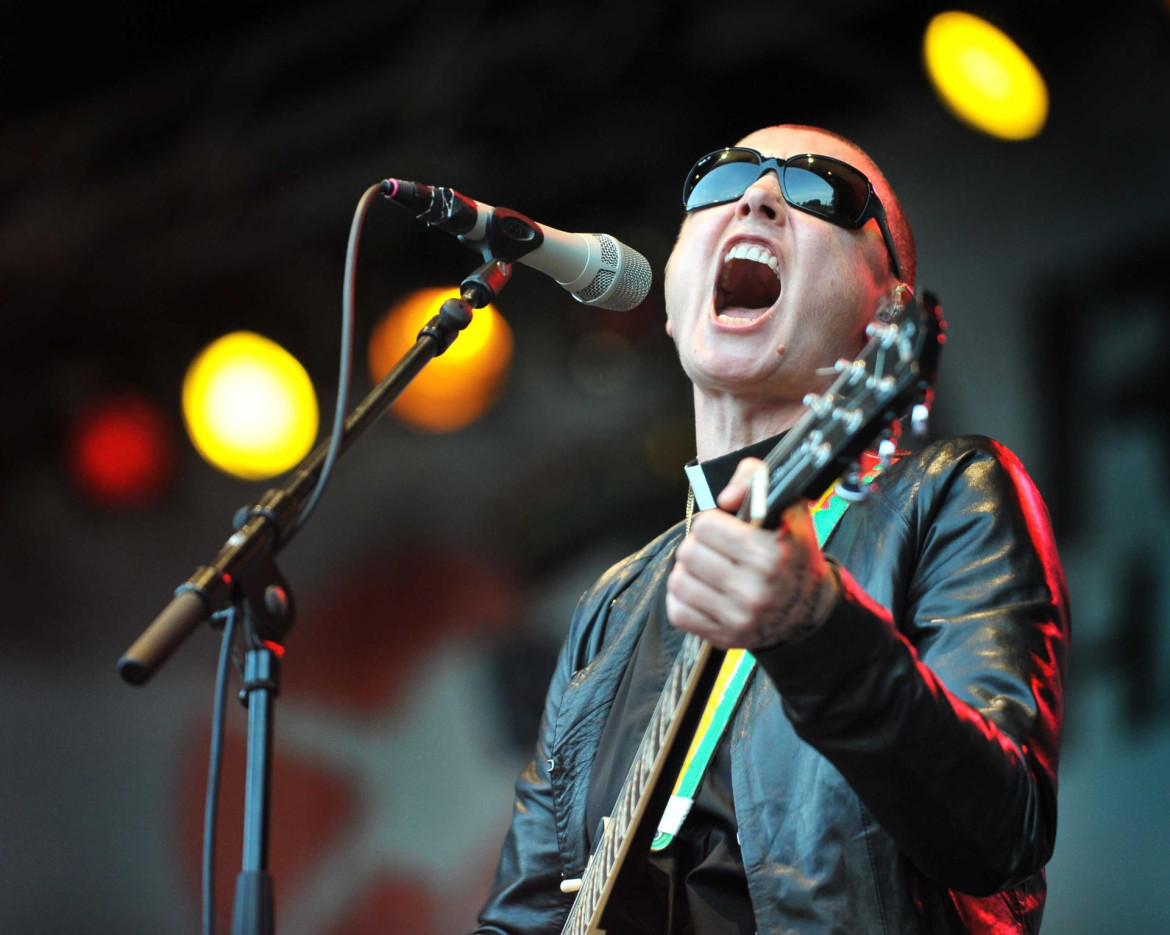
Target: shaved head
[895,216]
[763,297]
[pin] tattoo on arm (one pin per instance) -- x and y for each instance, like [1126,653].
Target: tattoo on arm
[796,617]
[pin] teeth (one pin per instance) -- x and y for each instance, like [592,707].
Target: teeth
[746,251]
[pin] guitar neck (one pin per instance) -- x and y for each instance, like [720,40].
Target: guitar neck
[643,795]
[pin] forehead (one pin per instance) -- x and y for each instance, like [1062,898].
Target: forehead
[790,141]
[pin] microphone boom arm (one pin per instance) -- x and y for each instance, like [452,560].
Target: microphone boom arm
[260,530]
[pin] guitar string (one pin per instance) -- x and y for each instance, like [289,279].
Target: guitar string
[598,871]
[632,791]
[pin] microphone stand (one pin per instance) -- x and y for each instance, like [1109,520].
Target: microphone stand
[244,577]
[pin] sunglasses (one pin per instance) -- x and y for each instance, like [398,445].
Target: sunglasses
[818,185]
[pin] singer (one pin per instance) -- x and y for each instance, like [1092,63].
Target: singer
[891,764]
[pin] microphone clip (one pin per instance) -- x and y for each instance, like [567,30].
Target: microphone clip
[508,236]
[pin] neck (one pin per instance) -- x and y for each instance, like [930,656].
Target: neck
[724,422]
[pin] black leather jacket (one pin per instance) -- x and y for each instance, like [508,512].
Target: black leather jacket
[894,771]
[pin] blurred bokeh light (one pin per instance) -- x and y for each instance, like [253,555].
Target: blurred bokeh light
[122,451]
[249,406]
[456,388]
[983,77]
[200,180]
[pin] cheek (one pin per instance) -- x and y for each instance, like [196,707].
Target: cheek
[679,279]
[847,280]
[669,294]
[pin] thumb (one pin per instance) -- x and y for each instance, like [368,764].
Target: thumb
[732,495]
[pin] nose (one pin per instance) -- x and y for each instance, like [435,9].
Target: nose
[762,197]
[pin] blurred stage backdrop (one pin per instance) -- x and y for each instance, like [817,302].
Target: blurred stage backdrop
[172,174]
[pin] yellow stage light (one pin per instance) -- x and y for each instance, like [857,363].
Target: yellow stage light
[249,406]
[455,389]
[983,77]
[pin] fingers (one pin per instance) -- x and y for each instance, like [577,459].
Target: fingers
[714,564]
[723,617]
[738,543]
[796,522]
[687,603]
[720,588]
[737,585]
[691,620]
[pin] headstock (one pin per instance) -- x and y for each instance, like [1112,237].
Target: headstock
[894,373]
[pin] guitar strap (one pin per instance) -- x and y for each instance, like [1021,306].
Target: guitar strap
[738,665]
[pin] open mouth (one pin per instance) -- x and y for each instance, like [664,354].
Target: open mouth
[748,285]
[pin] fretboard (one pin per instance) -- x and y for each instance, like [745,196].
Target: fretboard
[694,666]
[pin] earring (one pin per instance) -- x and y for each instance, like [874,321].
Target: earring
[890,312]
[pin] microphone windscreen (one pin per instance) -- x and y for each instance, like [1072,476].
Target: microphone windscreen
[623,280]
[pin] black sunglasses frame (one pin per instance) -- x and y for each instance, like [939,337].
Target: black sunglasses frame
[871,205]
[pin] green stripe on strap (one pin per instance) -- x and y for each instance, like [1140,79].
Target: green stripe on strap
[730,683]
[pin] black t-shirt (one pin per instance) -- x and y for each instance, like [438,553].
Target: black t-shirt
[696,886]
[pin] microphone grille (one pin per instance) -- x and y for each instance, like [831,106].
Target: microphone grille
[610,250]
[596,290]
[625,284]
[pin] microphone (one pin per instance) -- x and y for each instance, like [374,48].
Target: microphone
[595,268]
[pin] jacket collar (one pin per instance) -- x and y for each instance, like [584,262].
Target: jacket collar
[708,478]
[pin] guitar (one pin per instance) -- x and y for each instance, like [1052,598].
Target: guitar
[895,370]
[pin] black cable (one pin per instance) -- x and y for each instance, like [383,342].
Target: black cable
[215,761]
[348,289]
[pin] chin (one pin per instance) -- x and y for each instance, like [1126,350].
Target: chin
[734,374]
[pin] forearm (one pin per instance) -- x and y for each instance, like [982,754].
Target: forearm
[969,800]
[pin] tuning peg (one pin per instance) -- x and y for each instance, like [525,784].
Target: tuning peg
[919,419]
[886,334]
[886,450]
[851,487]
[842,364]
[819,405]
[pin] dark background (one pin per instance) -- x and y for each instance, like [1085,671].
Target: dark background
[170,173]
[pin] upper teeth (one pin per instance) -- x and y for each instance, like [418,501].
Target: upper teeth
[748,251]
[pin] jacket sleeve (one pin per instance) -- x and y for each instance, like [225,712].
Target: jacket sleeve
[544,842]
[944,715]
[525,897]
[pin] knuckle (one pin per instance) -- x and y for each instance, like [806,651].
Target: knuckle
[753,598]
[775,576]
[742,616]
[766,561]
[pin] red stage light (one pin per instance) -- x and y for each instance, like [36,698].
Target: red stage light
[122,452]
